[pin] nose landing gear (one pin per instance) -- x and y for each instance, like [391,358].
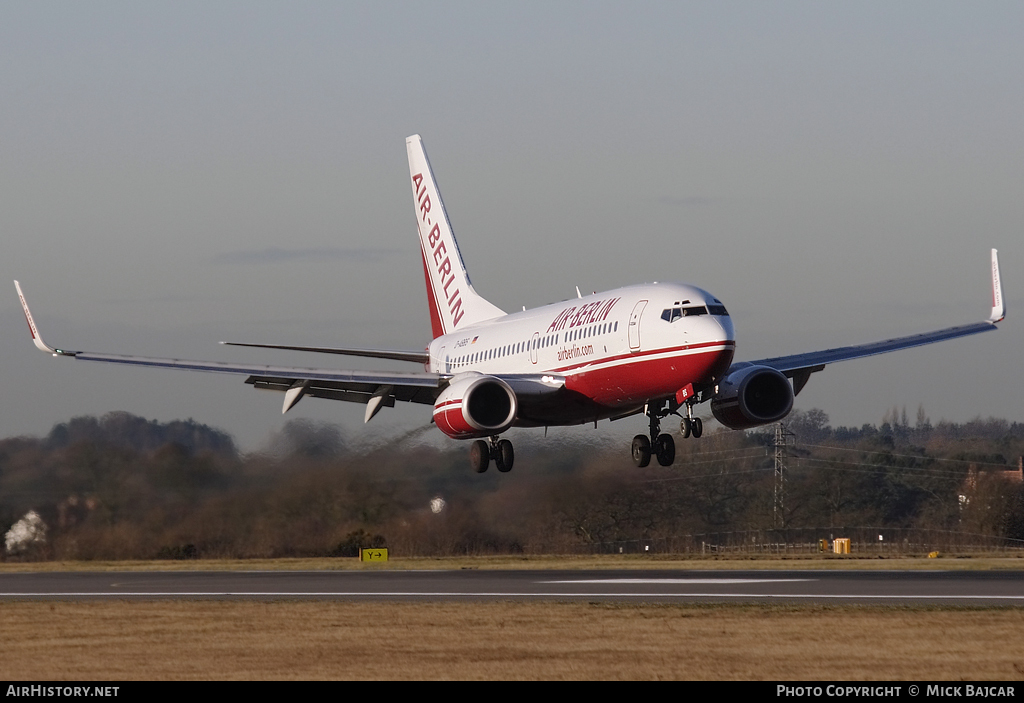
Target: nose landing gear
[690,424]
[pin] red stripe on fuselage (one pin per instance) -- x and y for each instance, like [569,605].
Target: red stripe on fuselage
[594,360]
[648,378]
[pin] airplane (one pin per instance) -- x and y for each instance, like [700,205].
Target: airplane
[655,349]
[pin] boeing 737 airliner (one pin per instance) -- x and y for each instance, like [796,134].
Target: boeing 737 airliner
[658,349]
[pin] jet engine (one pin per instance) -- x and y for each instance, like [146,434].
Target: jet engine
[752,396]
[475,406]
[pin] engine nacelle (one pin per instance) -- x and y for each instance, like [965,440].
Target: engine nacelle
[752,396]
[475,406]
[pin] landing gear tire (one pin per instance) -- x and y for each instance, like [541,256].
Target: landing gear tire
[479,456]
[685,426]
[698,427]
[641,451]
[665,448]
[505,456]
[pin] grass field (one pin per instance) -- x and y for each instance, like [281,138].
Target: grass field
[330,640]
[301,640]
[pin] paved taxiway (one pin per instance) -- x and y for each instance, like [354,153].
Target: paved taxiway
[890,587]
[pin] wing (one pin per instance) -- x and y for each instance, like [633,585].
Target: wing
[398,355]
[799,367]
[375,388]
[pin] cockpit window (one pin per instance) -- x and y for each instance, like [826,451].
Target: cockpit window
[673,314]
[718,310]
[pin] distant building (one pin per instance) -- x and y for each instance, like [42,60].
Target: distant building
[1013,477]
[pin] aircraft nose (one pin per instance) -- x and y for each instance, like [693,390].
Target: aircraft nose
[726,330]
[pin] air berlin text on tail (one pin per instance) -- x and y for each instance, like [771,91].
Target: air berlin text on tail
[439,250]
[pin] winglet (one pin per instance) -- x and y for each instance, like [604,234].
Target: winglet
[36,339]
[998,304]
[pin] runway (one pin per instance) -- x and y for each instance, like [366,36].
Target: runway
[660,586]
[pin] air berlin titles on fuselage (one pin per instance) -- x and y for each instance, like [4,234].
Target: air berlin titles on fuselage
[577,317]
[439,252]
[585,315]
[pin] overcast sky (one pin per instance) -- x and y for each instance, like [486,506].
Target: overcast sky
[174,174]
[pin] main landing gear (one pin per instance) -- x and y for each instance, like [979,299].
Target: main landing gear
[481,452]
[660,445]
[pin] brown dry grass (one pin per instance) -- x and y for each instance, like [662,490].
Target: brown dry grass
[332,640]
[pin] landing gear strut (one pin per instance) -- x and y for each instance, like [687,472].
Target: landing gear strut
[481,453]
[690,424]
[661,445]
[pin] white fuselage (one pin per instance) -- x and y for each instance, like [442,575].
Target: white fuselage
[617,349]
